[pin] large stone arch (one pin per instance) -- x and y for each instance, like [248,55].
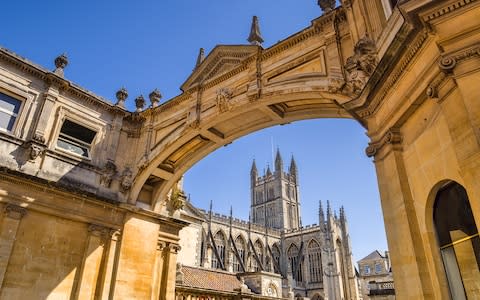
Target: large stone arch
[253,93]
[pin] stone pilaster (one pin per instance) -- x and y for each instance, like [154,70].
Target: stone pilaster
[8,231]
[92,262]
[110,262]
[158,270]
[167,290]
[401,222]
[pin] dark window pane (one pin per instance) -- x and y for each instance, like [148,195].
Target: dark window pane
[78,131]
[452,212]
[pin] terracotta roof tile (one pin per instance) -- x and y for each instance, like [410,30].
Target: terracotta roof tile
[209,279]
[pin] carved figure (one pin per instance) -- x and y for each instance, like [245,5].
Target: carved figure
[127,181]
[109,171]
[223,99]
[360,66]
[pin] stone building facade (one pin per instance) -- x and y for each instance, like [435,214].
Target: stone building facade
[375,277]
[87,188]
[313,261]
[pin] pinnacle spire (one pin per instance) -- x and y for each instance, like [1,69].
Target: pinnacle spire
[269,172]
[321,215]
[255,37]
[254,170]
[201,57]
[278,162]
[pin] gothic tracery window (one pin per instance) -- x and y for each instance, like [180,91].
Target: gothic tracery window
[294,263]
[240,245]
[259,250]
[315,261]
[220,246]
[276,258]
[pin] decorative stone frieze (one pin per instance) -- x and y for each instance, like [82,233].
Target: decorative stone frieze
[14,211]
[392,136]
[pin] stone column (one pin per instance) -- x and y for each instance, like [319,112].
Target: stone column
[92,261]
[412,280]
[8,231]
[167,290]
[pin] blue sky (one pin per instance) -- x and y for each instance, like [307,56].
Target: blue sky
[144,45]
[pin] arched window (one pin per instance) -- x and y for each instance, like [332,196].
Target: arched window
[276,258]
[240,245]
[315,261]
[294,263]
[220,244]
[259,250]
[458,240]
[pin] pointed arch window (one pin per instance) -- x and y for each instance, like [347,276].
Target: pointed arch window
[240,245]
[259,250]
[294,263]
[458,239]
[276,258]
[315,261]
[220,247]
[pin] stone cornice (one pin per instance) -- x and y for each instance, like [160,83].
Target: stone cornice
[446,9]
[50,78]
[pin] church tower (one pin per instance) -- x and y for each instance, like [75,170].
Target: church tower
[275,201]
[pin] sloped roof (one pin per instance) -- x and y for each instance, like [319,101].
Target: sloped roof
[209,279]
[374,255]
[220,60]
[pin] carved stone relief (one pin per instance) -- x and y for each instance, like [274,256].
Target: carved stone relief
[360,66]
[109,171]
[224,95]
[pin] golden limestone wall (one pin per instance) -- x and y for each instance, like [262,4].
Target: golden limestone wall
[426,133]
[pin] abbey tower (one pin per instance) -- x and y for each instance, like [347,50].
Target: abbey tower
[275,196]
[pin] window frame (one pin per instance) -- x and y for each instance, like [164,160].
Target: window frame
[18,116]
[84,120]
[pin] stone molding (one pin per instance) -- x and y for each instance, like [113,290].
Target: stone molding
[100,231]
[393,78]
[447,9]
[391,137]
[14,211]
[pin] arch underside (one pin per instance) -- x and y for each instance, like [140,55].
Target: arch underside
[184,146]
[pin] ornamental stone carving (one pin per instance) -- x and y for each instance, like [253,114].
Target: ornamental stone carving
[109,171]
[392,136]
[223,99]
[122,95]
[360,66]
[127,180]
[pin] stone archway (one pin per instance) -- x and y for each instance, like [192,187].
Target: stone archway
[403,76]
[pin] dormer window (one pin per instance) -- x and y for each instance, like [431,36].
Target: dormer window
[9,109]
[75,138]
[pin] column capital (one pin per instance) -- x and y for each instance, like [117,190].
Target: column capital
[100,230]
[14,211]
[392,137]
[174,248]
